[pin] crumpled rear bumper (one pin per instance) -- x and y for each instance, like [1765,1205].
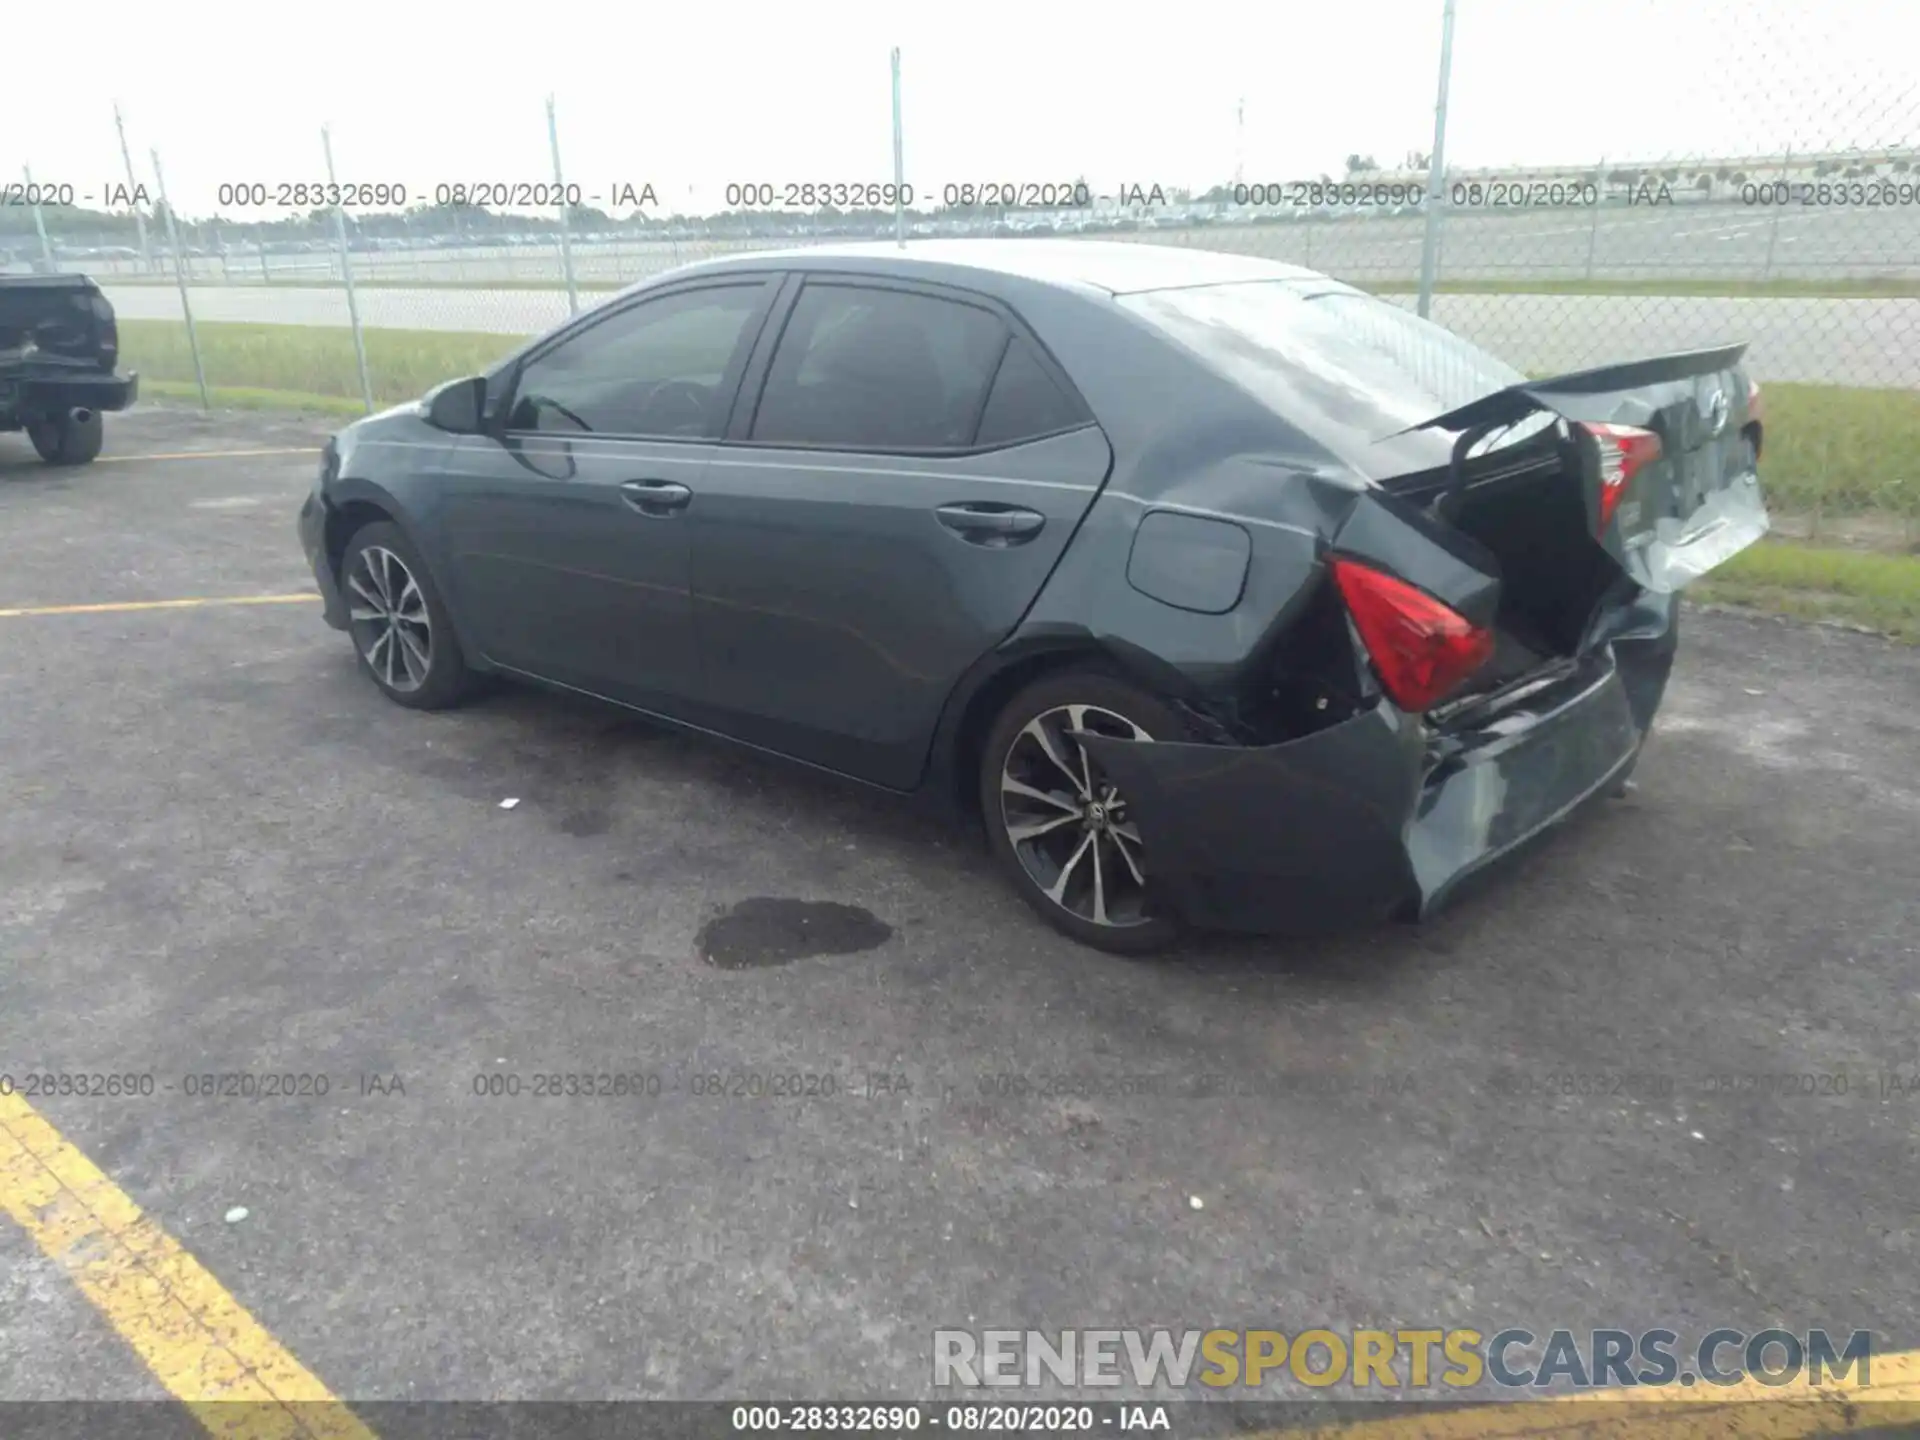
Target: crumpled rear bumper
[1378,816]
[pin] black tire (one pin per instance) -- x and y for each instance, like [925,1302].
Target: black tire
[443,678]
[60,441]
[1136,925]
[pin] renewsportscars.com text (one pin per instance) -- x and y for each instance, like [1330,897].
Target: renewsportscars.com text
[1404,1359]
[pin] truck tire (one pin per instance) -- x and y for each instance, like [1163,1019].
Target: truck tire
[61,440]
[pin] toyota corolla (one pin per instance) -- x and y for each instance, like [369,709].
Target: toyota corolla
[1224,593]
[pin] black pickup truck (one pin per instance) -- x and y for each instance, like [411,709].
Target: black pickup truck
[58,349]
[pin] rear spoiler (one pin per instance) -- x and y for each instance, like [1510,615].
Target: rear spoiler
[1516,402]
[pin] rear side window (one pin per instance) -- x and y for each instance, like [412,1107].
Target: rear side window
[872,369]
[1025,402]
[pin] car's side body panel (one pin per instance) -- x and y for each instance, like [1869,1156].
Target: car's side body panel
[834,611]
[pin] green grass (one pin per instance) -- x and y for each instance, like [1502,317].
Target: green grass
[302,366]
[1881,592]
[1841,450]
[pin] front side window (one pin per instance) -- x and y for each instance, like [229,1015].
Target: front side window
[657,369]
[870,369]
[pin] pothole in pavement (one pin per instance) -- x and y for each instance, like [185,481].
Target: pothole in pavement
[765,931]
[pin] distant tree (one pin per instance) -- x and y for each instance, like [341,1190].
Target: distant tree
[1672,177]
[1360,164]
[1703,182]
[1418,160]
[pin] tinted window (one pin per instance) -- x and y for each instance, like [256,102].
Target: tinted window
[656,369]
[879,370]
[1025,401]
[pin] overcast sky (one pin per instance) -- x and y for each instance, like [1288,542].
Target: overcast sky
[689,96]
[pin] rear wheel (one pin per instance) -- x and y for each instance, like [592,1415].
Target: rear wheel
[62,440]
[1064,831]
[399,623]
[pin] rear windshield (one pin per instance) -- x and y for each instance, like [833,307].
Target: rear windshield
[1343,351]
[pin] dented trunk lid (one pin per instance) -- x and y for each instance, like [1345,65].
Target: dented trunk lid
[1678,514]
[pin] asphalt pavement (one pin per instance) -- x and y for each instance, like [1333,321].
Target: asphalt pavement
[224,853]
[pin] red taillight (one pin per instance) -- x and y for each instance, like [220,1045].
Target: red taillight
[1624,449]
[1421,649]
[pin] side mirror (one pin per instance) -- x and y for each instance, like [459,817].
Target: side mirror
[457,405]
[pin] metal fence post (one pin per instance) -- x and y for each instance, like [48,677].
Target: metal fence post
[133,186]
[899,162]
[1773,222]
[39,220]
[346,274]
[180,278]
[1436,165]
[1593,231]
[566,240]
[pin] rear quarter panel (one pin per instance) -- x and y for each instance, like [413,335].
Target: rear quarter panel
[1188,441]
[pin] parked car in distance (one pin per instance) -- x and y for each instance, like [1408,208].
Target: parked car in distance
[59,345]
[1224,593]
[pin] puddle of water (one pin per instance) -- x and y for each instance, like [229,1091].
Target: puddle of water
[764,931]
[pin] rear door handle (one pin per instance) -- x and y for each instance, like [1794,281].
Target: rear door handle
[657,498]
[994,525]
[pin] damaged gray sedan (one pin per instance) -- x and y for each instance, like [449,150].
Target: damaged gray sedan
[1225,594]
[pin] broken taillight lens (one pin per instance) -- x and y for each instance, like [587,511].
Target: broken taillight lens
[1421,649]
[1624,451]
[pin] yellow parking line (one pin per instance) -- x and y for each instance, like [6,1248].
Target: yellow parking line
[198,1341]
[208,454]
[127,606]
[1795,1411]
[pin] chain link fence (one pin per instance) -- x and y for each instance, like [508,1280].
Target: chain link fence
[1790,221]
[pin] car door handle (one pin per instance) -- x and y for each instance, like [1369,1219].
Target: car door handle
[657,498]
[995,525]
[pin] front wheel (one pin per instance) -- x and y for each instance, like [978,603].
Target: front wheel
[399,623]
[62,440]
[1063,831]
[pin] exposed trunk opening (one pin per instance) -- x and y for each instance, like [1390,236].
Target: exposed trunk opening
[1530,513]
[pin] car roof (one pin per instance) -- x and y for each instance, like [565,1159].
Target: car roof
[1116,267]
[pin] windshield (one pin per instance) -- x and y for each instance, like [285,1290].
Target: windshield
[1343,352]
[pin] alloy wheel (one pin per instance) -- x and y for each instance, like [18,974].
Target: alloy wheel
[388,612]
[1069,825]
